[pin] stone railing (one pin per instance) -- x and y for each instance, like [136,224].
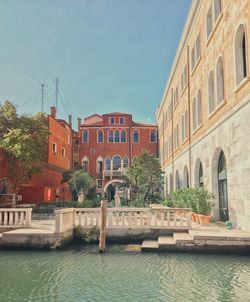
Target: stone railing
[65,220]
[135,217]
[15,217]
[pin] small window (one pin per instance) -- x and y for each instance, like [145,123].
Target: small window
[198,47]
[54,147]
[153,136]
[194,114]
[63,152]
[209,22]
[85,166]
[199,108]
[125,162]
[111,136]
[211,92]
[99,166]
[220,81]
[100,136]
[111,120]
[123,136]
[217,9]
[122,120]
[92,151]
[85,136]
[240,54]
[99,183]
[108,164]
[136,136]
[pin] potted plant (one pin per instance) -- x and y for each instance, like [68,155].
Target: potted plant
[204,205]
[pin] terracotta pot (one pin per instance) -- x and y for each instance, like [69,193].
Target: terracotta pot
[196,218]
[204,219]
[193,217]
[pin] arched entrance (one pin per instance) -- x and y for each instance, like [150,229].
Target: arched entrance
[110,187]
[222,187]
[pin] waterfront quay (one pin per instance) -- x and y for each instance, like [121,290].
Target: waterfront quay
[158,229]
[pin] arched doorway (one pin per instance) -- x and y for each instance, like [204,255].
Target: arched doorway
[222,187]
[110,187]
[201,180]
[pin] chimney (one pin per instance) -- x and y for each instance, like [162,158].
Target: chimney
[79,123]
[70,120]
[53,112]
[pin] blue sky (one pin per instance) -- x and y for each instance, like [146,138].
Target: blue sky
[109,55]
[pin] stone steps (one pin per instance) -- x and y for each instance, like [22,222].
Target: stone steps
[183,238]
[149,245]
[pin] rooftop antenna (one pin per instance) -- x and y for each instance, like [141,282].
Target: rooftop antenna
[57,90]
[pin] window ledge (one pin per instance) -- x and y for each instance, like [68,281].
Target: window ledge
[242,84]
[184,89]
[196,66]
[197,129]
[186,139]
[217,109]
[214,28]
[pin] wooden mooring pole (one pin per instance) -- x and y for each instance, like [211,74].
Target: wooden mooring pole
[102,238]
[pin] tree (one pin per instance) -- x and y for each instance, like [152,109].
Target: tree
[24,138]
[81,182]
[145,175]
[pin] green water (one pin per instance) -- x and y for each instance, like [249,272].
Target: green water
[81,274]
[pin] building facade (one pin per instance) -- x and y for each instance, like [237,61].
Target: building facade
[46,186]
[107,144]
[203,118]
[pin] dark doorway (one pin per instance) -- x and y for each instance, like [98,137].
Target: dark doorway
[222,188]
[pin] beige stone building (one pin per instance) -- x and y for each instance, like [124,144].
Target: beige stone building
[204,115]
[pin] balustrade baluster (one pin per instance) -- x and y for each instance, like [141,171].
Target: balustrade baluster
[11,218]
[162,219]
[174,214]
[1,218]
[5,222]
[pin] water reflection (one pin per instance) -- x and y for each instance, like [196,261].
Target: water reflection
[81,274]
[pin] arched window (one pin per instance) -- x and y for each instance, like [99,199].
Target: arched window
[136,136]
[240,54]
[123,136]
[194,114]
[166,185]
[171,183]
[186,124]
[183,127]
[211,92]
[201,181]
[185,177]
[217,9]
[111,136]
[153,136]
[117,136]
[100,136]
[177,180]
[108,164]
[99,165]
[220,81]
[85,136]
[177,136]
[85,164]
[199,108]
[209,22]
[117,163]
[125,162]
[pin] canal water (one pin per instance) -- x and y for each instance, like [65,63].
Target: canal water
[82,274]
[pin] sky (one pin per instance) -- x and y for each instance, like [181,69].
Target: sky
[109,55]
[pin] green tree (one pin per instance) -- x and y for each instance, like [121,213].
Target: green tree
[145,176]
[24,138]
[81,182]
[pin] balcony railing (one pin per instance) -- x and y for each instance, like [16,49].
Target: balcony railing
[113,173]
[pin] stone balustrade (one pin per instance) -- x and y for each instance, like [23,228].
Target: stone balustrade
[65,220]
[134,217]
[13,218]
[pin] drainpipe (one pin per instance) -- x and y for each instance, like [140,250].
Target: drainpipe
[189,119]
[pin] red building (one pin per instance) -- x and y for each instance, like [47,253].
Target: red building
[44,187]
[107,144]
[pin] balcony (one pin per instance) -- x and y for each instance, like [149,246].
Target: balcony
[113,173]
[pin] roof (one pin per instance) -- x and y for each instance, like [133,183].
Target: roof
[117,113]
